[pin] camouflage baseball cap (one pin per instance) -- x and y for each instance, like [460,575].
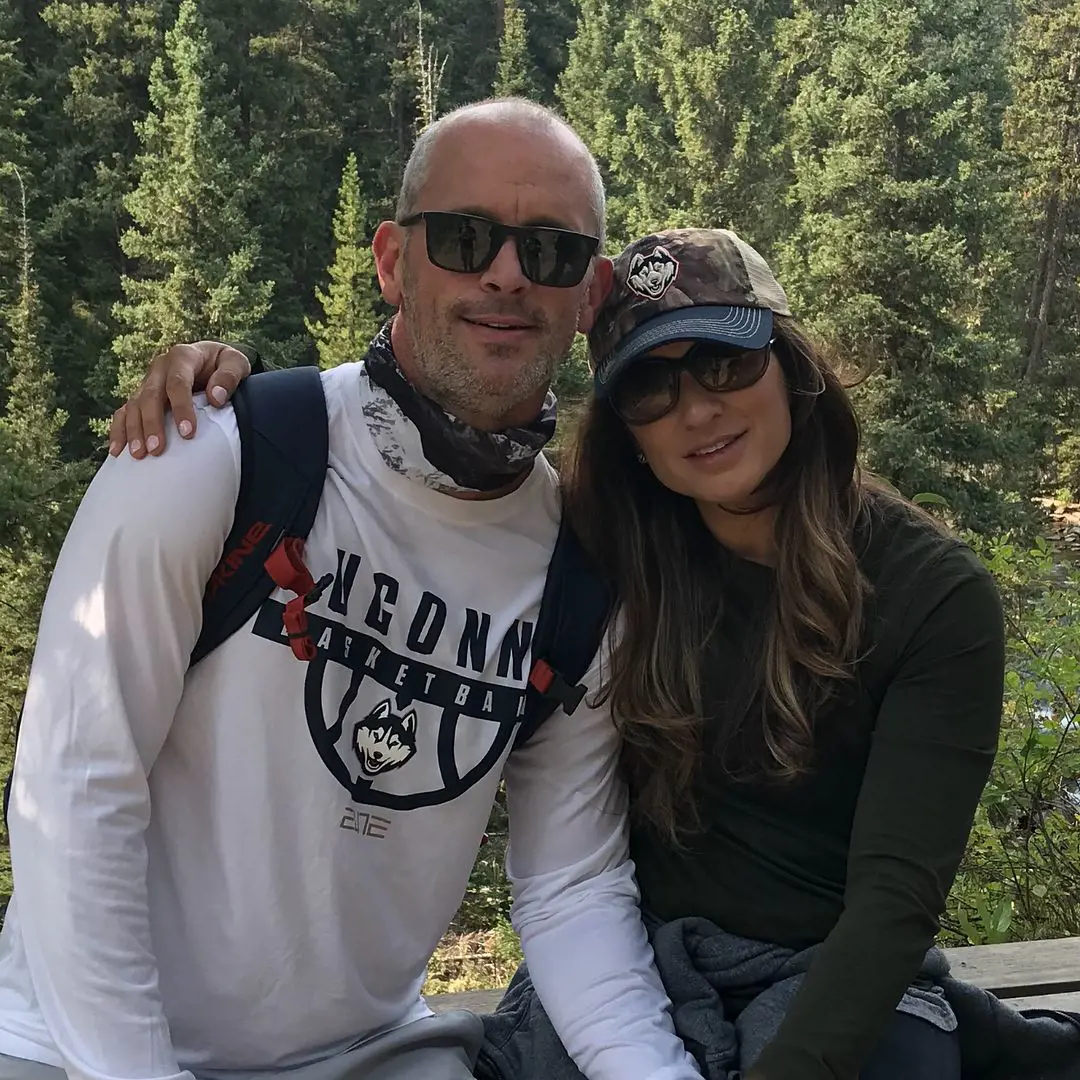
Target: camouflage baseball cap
[683,284]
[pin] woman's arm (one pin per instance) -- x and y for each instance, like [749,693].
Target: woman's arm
[931,753]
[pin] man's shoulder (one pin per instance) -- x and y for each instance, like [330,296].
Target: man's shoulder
[191,486]
[341,380]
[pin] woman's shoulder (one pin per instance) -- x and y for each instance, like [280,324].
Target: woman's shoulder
[911,561]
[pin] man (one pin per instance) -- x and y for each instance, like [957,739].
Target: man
[193,892]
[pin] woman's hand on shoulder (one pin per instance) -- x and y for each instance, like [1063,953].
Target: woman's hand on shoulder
[171,382]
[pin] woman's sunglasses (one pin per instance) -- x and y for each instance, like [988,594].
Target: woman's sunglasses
[467,244]
[650,387]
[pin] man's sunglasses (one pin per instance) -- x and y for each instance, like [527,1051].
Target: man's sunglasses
[467,244]
[649,389]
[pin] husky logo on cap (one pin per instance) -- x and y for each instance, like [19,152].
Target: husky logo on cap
[652,275]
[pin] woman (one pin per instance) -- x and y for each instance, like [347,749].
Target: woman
[809,672]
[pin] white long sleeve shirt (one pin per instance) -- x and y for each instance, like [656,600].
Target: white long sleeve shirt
[248,864]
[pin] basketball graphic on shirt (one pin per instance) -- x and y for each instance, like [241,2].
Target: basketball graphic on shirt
[404,752]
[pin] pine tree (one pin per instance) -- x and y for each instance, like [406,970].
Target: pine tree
[680,102]
[896,185]
[196,251]
[30,420]
[15,103]
[429,68]
[551,26]
[585,85]
[515,75]
[620,119]
[93,71]
[1043,132]
[1042,136]
[349,319]
[714,69]
[287,63]
[37,491]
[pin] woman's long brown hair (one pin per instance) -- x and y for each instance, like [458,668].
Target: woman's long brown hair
[652,542]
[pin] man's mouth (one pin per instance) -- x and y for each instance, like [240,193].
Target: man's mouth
[500,322]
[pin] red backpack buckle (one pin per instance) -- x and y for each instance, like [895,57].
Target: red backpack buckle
[285,565]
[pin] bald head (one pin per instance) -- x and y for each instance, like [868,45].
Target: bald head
[516,114]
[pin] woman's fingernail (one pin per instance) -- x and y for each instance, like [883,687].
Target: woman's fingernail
[152,443]
[219,395]
[185,428]
[115,448]
[136,445]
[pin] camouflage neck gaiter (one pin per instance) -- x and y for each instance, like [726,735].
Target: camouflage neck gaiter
[417,438]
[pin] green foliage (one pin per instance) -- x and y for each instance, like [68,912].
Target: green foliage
[196,252]
[349,319]
[897,228]
[514,77]
[15,103]
[679,103]
[93,60]
[487,901]
[1020,878]
[1042,138]
[37,490]
[616,114]
[573,383]
[1042,132]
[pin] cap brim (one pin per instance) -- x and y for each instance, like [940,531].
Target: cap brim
[746,327]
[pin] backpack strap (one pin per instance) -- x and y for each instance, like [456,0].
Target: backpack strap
[574,613]
[284,450]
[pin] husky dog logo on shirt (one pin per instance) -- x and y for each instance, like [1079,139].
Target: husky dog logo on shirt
[383,740]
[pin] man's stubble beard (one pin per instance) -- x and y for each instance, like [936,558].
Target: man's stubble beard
[451,380]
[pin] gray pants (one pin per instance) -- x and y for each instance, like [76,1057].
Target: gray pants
[439,1047]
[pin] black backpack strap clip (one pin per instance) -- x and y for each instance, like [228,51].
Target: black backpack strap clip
[552,685]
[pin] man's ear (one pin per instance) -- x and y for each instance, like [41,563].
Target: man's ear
[599,287]
[388,246]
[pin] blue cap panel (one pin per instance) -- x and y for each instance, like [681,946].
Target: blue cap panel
[748,327]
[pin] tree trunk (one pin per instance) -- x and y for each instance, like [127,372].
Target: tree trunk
[1049,223]
[1058,210]
[1035,360]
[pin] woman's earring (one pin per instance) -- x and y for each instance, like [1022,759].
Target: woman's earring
[640,458]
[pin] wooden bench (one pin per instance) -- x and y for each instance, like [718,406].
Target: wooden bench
[1027,974]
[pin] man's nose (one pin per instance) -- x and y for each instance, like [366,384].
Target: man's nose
[505,273]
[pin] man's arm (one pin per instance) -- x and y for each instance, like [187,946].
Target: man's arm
[121,616]
[576,902]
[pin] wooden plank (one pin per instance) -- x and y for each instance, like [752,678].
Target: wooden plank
[484,1001]
[1021,968]
[1063,1002]
[478,1001]
[1021,972]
